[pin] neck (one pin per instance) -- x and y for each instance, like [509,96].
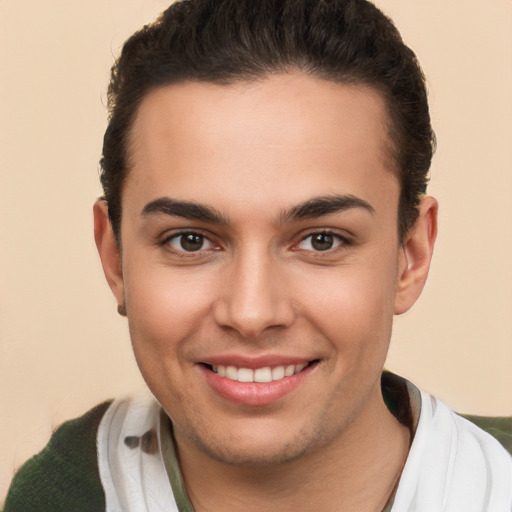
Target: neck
[358,470]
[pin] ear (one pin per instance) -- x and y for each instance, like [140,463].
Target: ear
[108,250]
[415,255]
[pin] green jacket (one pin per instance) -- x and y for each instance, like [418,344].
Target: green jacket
[64,476]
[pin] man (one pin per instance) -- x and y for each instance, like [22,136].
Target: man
[265,216]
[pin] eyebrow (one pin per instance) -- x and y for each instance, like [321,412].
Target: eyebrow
[186,209]
[311,209]
[325,205]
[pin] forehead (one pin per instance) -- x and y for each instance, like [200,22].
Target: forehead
[287,133]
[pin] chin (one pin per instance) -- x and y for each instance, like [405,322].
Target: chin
[257,456]
[267,446]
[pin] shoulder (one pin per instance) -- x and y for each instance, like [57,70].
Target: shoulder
[498,427]
[64,475]
[404,400]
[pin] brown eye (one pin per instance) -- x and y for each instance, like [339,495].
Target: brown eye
[322,242]
[190,242]
[318,242]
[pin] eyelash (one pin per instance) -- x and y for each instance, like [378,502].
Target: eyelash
[338,241]
[182,252]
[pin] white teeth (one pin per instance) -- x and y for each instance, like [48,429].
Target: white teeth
[265,374]
[278,373]
[245,375]
[289,370]
[231,373]
[299,368]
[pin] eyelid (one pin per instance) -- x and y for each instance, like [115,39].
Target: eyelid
[343,240]
[174,235]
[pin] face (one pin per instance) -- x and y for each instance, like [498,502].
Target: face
[261,265]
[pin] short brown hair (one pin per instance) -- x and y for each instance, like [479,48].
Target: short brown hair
[224,41]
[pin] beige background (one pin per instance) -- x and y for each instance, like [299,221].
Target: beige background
[63,348]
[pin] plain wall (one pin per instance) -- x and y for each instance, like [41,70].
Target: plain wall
[63,348]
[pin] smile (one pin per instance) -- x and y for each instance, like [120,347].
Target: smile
[256,384]
[262,375]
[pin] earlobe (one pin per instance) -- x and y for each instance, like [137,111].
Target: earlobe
[108,250]
[415,256]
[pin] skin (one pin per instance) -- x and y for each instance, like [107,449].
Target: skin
[258,289]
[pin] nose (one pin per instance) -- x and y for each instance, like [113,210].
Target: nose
[255,297]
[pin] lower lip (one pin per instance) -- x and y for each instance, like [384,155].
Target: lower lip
[254,393]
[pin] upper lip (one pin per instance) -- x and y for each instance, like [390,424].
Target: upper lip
[253,362]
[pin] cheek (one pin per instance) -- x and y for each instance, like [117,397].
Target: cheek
[165,312]
[165,307]
[353,305]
